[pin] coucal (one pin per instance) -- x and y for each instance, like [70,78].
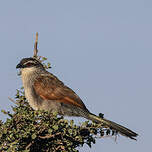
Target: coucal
[44,91]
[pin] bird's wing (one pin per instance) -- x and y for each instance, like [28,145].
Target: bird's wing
[49,87]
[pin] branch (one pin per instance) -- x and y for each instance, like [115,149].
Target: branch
[49,136]
[35,46]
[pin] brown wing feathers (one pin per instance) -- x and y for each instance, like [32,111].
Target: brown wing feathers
[50,88]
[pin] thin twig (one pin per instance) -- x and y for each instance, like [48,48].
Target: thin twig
[49,136]
[11,100]
[60,147]
[29,145]
[35,46]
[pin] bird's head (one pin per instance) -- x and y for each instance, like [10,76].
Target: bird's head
[29,63]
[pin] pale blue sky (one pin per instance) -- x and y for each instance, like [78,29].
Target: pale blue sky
[101,49]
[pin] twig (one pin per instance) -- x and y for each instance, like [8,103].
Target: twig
[29,145]
[35,46]
[60,147]
[49,136]
[11,100]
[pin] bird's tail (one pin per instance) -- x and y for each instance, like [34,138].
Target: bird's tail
[112,125]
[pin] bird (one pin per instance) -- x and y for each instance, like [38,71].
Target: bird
[44,91]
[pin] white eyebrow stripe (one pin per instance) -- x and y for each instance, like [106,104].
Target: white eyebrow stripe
[29,62]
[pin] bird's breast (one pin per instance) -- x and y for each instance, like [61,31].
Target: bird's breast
[28,81]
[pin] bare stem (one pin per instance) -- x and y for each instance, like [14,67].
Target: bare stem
[35,46]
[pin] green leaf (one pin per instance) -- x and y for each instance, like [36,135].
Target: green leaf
[34,136]
[50,130]
[55,127]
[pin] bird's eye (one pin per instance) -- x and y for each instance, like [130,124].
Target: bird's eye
[28,64]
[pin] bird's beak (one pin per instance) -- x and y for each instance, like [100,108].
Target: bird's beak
[19,66]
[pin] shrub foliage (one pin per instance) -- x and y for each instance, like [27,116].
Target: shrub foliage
[28,130]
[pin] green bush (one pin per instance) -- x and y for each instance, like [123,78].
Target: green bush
[28,130]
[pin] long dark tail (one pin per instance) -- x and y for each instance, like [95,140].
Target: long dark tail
[112,125]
